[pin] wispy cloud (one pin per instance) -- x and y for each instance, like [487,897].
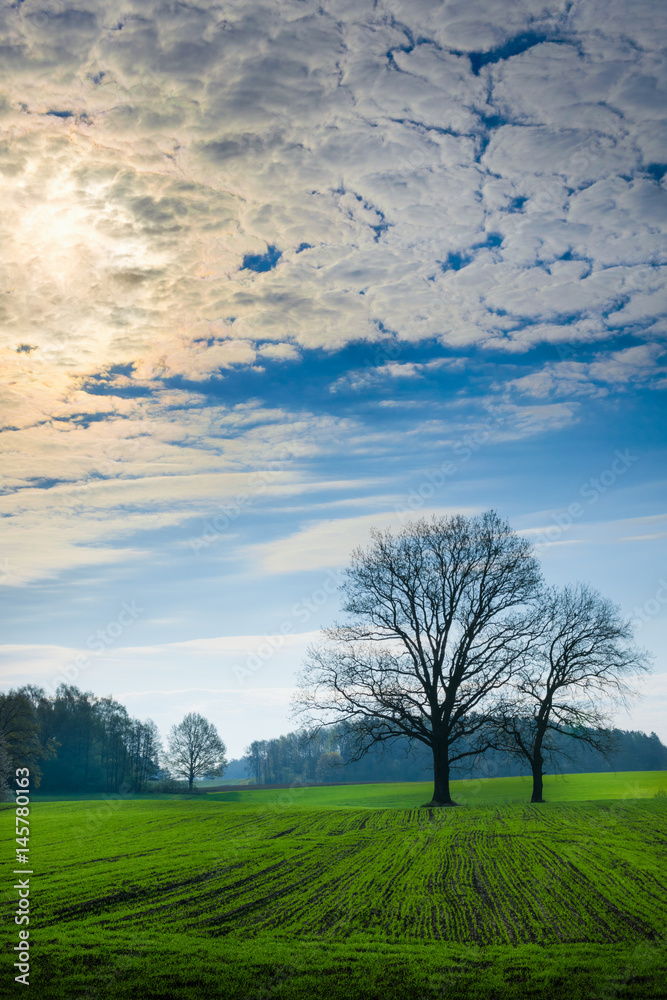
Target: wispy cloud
[329,542]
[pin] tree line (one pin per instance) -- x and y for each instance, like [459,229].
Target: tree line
[71,743]
[77,742]
[324,756]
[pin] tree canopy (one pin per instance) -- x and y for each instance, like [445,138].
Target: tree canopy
[439,617]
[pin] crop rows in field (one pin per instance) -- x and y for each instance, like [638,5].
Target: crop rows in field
[511,874]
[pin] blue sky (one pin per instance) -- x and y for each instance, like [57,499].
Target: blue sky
[276,272]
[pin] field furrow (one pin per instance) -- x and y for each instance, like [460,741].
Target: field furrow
[492,875]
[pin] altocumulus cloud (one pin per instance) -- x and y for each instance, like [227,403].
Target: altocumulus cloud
[190,191]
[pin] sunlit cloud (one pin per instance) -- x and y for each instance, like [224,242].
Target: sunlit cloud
[289,259]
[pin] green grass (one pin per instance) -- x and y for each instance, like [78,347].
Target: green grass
[351,892]
[471,792]
[413,794]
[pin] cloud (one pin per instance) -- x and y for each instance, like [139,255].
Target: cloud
[165,148]
[81,494]
[281,352]
[243,644]
[634,364]
[328,543]
[192,192]
[384,373]
[557,528]
[638,366]
[198,363]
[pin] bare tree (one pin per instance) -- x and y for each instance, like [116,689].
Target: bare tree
[195,749]
[577,667]
[438,622]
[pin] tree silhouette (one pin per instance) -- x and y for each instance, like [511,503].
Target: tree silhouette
[576,667]
[439,619]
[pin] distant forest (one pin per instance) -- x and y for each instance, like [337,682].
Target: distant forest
[76,742]
[325,758]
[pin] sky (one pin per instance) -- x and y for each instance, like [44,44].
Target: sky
[275,272]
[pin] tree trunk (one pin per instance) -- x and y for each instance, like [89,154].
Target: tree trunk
[441,794]
[537,780]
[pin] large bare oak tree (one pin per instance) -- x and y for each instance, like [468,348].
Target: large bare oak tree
[439,618]
[578,665]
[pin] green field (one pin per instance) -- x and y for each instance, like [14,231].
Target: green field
[475,791]
[352,892]
[412,794]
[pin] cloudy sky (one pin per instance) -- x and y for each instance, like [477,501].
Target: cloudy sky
[276,271]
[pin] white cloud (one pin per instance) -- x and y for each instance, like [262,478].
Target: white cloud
[228,145]
[637,365]
[123,477]
[383,373]
[396,178]
[329,543]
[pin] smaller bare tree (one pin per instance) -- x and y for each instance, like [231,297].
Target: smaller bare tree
[195,749]
[578,666]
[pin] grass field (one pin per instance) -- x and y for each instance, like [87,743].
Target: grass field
[412,794]
[352,892]
[477,791]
